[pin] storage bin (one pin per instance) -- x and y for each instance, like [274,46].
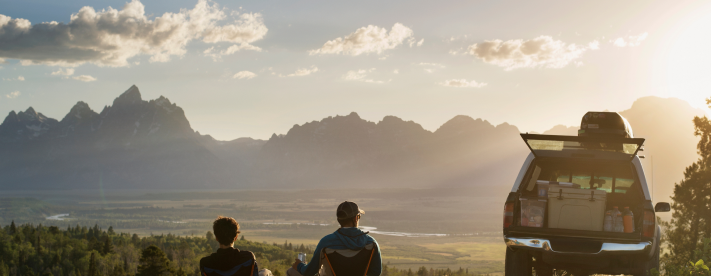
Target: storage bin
[533,211]
[578,209]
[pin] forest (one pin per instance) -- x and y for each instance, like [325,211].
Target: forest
[29,250]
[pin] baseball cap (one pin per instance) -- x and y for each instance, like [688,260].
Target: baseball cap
[348,209]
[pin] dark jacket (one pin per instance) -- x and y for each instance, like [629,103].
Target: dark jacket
[347,238]
[229,261]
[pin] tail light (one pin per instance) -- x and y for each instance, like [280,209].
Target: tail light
[648,224]
[508,214]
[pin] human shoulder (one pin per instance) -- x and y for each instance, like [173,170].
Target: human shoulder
[247,254]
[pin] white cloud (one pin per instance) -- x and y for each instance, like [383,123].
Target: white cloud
[215,55]
[300,72]
[63,72]
[366,40]
[84,78]
[13,95]
[360,75]
[630,41]
[20,78]
[420,43]
[463,83]
[542,51]
[110,37]
[594,45]
[3,61]
[396,71]
[431,67]
[244,75]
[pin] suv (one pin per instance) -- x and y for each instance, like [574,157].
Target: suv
[556,214]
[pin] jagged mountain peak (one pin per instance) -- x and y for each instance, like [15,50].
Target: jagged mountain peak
[131,96]
[79,111]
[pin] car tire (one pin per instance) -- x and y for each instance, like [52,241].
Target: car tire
[652,263]
[518,263]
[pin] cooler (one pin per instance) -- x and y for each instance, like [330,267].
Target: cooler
[578,209]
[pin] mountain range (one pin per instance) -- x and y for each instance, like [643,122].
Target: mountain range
[135,143]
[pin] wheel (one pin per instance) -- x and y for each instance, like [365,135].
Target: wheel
[518,263]
[651,263]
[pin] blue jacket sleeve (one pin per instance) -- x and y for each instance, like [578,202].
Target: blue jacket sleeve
[314,265]
[256,269]
[376,264]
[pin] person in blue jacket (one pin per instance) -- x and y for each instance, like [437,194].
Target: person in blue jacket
[346,237]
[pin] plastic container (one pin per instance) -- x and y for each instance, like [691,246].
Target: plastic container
[578,209]
[533,211]
[628,220]
[607,225]
[617,223]
[542,188]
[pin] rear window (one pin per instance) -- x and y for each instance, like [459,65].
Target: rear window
[615,178]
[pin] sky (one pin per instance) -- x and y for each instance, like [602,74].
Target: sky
[253,68]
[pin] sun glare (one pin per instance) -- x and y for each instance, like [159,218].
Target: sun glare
[689,62]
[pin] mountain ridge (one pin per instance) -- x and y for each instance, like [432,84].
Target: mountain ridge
[137,143]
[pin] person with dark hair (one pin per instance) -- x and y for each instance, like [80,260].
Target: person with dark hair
[228,261]
[348,236]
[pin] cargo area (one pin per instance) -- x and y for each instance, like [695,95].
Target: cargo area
[564,197]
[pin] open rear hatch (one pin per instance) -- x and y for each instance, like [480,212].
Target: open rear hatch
[596,147]
[571,173]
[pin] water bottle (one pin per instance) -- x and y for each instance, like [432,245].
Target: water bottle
[607,226]
[618,224]
[628,220]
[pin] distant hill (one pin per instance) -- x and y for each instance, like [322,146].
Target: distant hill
[135,143]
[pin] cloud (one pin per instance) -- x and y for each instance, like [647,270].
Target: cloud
[3,61]
[542,51]
[84,78]
[20,78]
[360,75]
[630,41]
[430,67]
[13,95]
[300,72]
[210,52]
[63,72]
[366,40]
[462,83]
[244,75]
[110,37]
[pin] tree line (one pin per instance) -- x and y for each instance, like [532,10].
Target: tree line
[37,250]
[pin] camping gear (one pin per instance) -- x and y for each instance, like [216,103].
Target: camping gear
[533,211]
[609,124]
[578,209]
[346,262]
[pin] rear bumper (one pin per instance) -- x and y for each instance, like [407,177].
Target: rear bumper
[607,248]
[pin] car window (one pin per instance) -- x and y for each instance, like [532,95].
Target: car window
[623,181]
[599,177]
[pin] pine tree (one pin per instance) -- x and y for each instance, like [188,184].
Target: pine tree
[111,231]
[153,262]
[691,219]
[242,238]
[13,228]
[92,265]
[108,246]
[181,272]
